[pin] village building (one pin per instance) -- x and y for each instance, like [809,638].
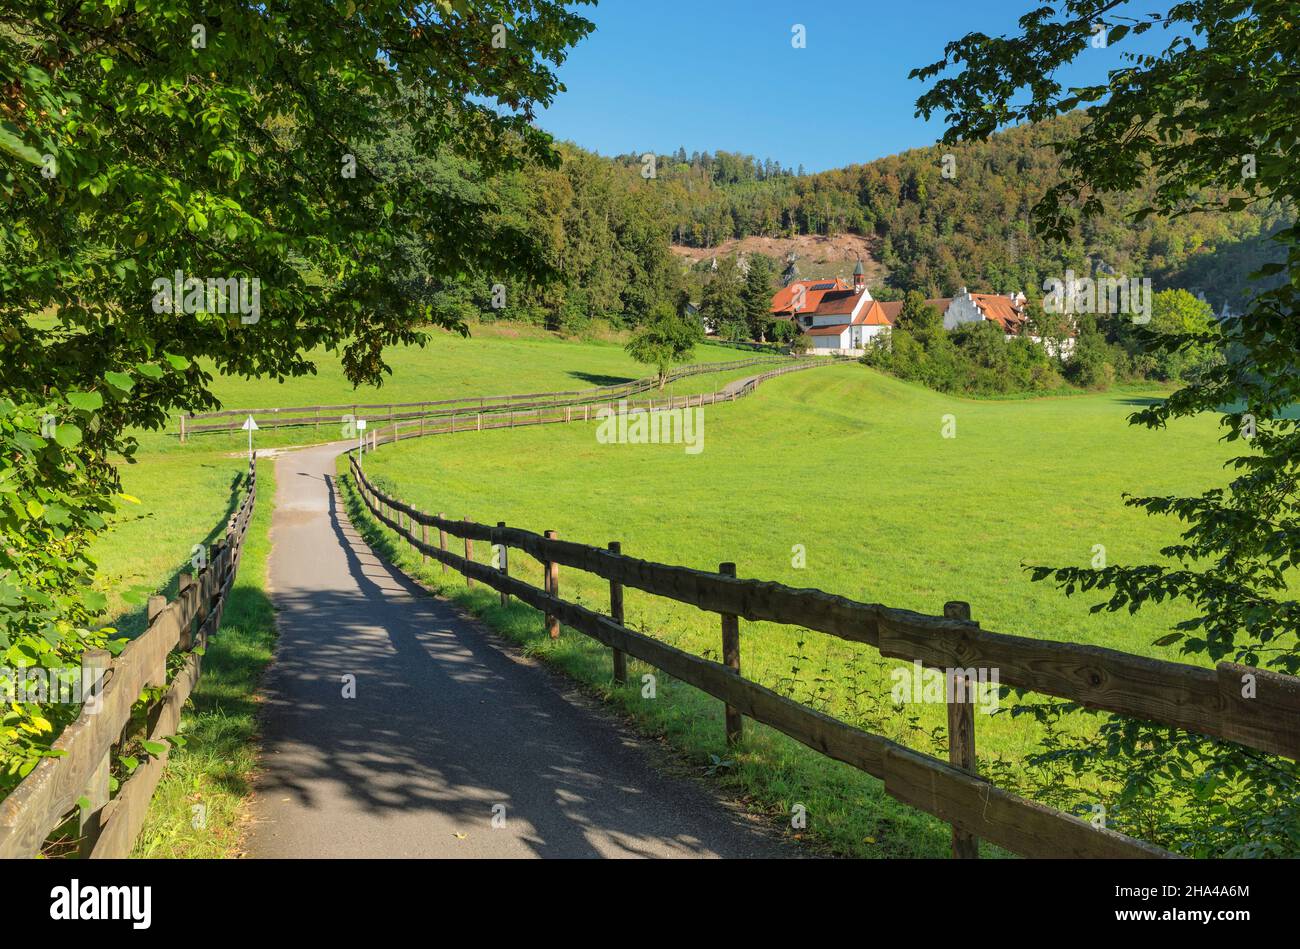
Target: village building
[839,319]
[842,321]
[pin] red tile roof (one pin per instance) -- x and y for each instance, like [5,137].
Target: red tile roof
[891,310]
[783,299]
[1000,310]
[837,303]
[827,330]
[873,314]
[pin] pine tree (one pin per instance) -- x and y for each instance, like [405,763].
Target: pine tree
[758,295]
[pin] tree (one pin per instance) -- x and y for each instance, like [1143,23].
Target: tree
[923,321]
[722,302]
[757,295]
[1210,118]
[667,339]
[178,189]
[1179,325]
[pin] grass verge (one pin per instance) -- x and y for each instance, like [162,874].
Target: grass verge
[198,807]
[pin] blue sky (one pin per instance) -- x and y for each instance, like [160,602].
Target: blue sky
[722,74]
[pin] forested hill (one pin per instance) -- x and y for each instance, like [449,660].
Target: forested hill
[607,226]
[972,227]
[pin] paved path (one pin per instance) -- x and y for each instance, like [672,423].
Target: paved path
[446,724]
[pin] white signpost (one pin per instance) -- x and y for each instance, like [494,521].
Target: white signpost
[250,426]
[361,435]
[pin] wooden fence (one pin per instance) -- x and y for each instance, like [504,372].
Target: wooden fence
[316,415]
[553,414]
[1208,701]
[79,779]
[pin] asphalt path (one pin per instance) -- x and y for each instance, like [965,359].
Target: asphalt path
[454,745]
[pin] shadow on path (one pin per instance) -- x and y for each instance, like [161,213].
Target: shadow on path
[445,725]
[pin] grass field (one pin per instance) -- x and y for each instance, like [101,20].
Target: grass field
[853,467]
[185,490]
[496,360]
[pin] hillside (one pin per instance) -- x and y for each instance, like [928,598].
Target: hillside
[935,227]
[817,255]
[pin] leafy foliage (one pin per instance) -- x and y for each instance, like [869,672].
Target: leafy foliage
[141,140]
[667,339]
[1220,97]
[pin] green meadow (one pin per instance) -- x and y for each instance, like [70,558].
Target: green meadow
[840,479]
[186,492]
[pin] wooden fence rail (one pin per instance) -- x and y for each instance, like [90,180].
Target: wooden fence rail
[79,779]
[970,804]
[1203,700]
[316,415]
[519,417]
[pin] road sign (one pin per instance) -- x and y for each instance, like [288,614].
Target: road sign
[249,426]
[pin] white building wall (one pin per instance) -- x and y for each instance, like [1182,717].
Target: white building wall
[961,310]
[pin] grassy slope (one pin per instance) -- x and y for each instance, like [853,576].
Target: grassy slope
[494,361]
[185,499]
[851,465]
[497,360]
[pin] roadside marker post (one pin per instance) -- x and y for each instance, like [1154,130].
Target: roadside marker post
[250,426]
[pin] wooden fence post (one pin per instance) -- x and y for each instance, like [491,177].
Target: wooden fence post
[731,659]
[469,555]
[961,730]
[552,586]
[94,663]
[183,583]
[616,614]
[154,607]
[424,536]
[182,429]
[505,564]
[442,538]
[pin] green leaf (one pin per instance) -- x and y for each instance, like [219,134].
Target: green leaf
[154,748]
[177,362]
[119,381]
[14,145]
[86,401]
[69,436]
[149,370]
